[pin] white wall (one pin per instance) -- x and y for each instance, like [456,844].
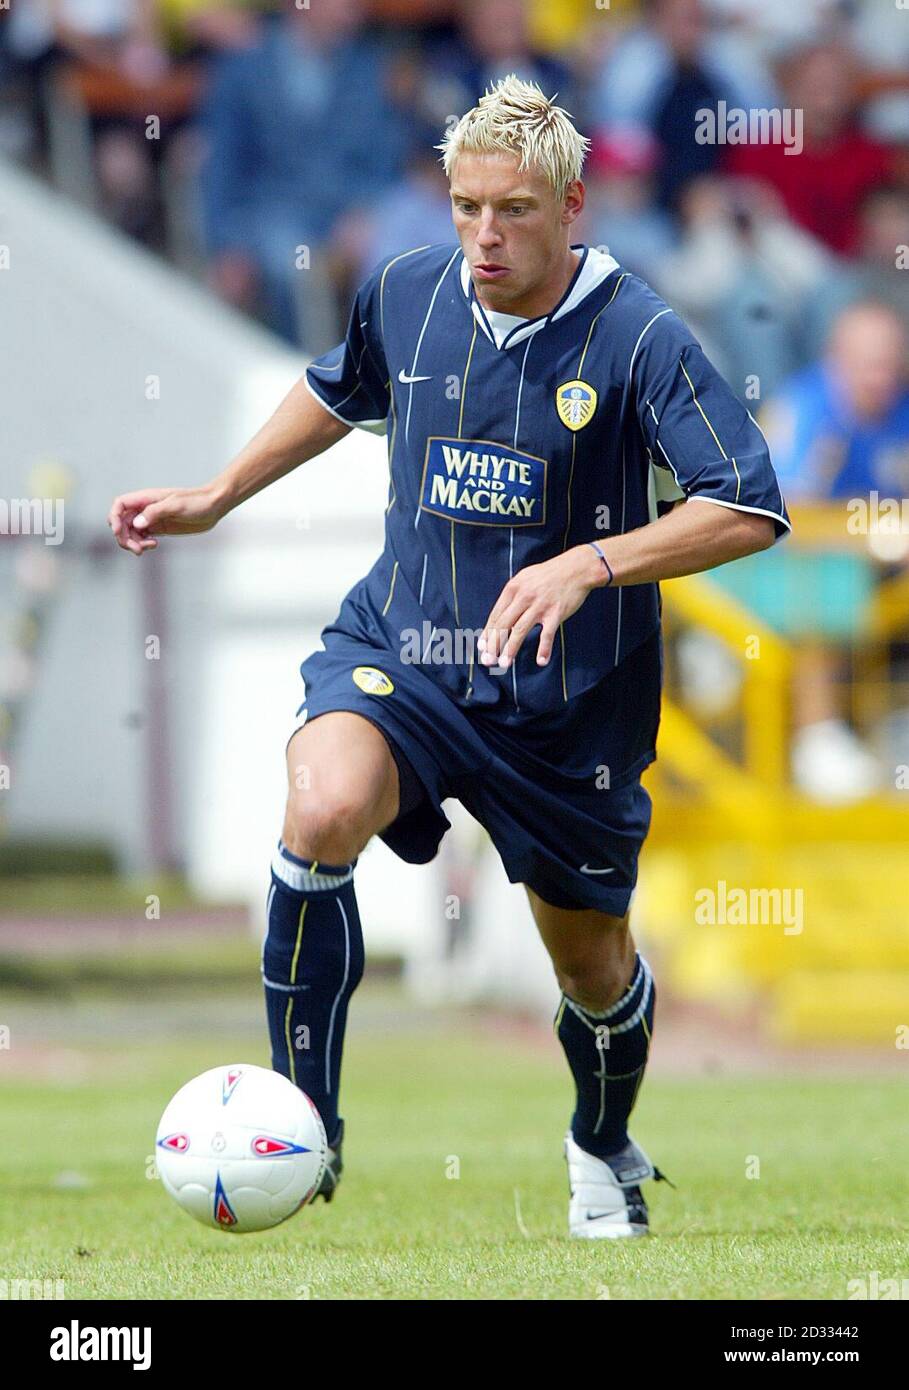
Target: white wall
[87,319]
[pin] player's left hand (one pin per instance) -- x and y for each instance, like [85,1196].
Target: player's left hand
[540,595]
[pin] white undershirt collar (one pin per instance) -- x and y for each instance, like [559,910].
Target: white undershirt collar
[505,330]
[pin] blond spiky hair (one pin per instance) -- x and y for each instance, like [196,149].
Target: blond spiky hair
[514,117]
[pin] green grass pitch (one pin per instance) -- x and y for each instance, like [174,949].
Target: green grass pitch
[830,1203]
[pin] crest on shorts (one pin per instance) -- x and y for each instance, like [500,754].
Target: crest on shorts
[372,680]
[576,401]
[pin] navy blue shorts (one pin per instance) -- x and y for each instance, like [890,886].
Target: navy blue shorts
[538,787]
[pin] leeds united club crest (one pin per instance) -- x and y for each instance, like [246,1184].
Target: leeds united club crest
[576,401]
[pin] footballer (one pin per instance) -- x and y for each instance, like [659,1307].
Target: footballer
[558,444]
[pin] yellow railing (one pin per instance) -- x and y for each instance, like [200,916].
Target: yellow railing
[766,663]
[889,614]
[725,815]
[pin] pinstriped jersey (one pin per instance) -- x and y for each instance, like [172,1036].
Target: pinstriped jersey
[511,440]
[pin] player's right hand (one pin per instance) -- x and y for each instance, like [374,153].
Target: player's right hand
[137,518]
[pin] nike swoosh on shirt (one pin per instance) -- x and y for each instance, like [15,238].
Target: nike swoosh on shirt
[406,380]
[586,869]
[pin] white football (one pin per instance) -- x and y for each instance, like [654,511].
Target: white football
[241,1148]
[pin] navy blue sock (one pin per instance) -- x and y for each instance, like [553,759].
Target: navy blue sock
[607,1053]
[312,961]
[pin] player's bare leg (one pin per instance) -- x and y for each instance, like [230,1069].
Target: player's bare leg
[342,789]
[604,1023]
[593,954]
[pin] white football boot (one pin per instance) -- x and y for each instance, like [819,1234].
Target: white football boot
[606,1201]
[333,1168]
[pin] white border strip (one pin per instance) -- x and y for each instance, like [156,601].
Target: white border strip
[737,507]
[372,426]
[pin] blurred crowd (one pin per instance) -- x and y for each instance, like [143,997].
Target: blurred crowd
[300,136]
[279,150]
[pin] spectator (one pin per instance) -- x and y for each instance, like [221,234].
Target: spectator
[667,69]
[619,211]
[301,132]
[200,28]
[743,275]
[566,26]
[880,38]
[822,186]
[103,34]
[492,40]
[121,37]
[841,430]
[415,212]
[777,26]
[880,270]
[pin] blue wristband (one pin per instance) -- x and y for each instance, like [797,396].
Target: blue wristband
[594,545]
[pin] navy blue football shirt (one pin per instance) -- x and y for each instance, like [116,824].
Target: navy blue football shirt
[511,440]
